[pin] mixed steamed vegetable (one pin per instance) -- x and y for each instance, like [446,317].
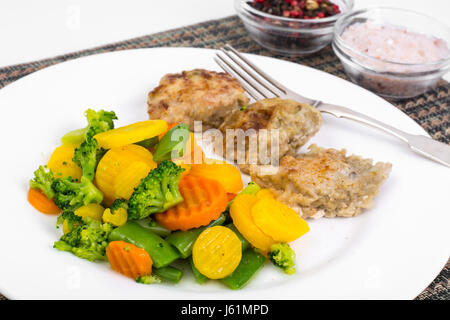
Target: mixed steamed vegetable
[144,198]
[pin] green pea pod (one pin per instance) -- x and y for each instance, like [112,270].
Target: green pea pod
[200,278]
[158,229]
[172,144]
[148,143]
[169,273]
[245,244]
[184,240]
[154,227]
[74,137]
[159,250]
[250,263]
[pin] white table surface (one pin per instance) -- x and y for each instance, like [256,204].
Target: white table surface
[32,30]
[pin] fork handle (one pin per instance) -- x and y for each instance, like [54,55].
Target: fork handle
[420,144]
[342,112]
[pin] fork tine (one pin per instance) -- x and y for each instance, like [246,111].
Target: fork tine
[255,95]
[264,75]
[243,76]
[252,74]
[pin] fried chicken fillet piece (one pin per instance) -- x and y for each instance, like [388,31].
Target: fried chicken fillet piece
[196,95]
[325,182]
[295,123]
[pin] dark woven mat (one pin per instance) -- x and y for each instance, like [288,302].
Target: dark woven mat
[431,110]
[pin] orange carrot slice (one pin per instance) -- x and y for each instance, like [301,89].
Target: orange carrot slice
[128,259]
[231,196]
[204,201]
[41,203]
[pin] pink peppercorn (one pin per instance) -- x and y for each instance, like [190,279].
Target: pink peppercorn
[321,14]
[294,3]
[286,13]
[295,13]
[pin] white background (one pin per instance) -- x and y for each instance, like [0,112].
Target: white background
[32,30]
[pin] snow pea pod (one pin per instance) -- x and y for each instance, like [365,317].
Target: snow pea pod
[173,144]
[250,263]
[169,273]
[159,250]
[148,143]
[184,240]
[154,227]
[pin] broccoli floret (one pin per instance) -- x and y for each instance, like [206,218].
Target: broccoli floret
[87,241]
[157,192]
[117,204]
[99,121]
[43,180]
[87,156]
[72,219]
[70,195]
[148,279]
[283,257]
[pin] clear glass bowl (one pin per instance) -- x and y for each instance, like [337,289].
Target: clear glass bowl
[288,36]
[386,78]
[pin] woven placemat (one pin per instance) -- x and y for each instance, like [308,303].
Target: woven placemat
[431,110]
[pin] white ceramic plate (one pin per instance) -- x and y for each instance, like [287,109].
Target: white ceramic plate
[393,250]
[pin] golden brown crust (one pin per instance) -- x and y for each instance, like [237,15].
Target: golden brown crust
[325,182]
[198,94]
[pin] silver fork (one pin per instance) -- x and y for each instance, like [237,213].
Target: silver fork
[259,85]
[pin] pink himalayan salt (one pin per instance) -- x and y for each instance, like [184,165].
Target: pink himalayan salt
[395,44]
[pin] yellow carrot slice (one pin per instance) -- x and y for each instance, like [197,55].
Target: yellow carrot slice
[118,218]
[91,210]
[61,164]
[217,252]
[129,178]
[265,193]
[130,134]
[240,212]
[278,221]
[114,162]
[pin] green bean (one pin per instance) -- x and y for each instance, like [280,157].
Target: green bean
[245,244]
[200,278]
[184,240]
[168,273]
[250,263]
[159,250]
